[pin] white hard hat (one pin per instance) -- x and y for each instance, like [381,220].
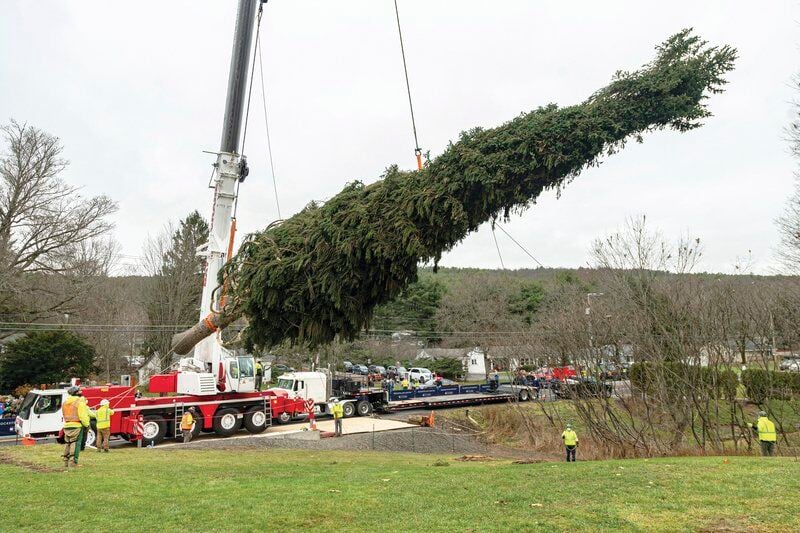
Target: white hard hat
[104,402]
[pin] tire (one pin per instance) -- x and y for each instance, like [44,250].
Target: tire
[155,428]
[363,408]
[524,395]
[255,420]
[91,437]
[349,409]
[284,418]
[227,421]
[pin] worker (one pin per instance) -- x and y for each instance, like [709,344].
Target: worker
[259,374]
[767,436]
[76,422]
[338,413]
[103,416]
[187,425]
[570,439]
[404,383]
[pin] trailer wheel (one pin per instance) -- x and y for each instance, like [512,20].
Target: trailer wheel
[363,408]
[154,429]
[255,420]
[227,421]
[284,418]
[524,395]
[349,409]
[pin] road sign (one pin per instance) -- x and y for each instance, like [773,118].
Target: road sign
[309,405]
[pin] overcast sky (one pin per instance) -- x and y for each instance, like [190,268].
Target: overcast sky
[136,91]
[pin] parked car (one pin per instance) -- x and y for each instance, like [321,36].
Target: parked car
[377,370]
[348,366]
[583,388]
[790,363]
[360,369]
[423,375]
[396,372]
[280,368]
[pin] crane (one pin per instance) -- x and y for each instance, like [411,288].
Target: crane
[212,368]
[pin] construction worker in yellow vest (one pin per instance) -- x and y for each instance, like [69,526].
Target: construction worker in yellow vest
[103,417]
[570,439]
[337,410]
[259,374]
[767,436]
[404,383]
[187,425]
[76,421]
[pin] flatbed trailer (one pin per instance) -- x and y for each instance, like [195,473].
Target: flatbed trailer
[453,395]
[432,402]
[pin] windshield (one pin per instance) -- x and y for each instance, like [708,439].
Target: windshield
[284,383]
[247,367]
[27,403]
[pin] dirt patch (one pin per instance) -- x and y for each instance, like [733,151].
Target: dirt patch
[473,458]
[728,525]
[34,467]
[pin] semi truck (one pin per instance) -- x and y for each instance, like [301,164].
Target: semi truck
[353,391]
[155,418]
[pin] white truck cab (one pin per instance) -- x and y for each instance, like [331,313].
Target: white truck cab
[309,386]
[40,415]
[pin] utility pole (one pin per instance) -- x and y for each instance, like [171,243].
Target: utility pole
[589,297]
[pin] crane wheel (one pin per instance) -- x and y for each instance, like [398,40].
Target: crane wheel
[255,420]
[284,418]
[227,421]
[155,428]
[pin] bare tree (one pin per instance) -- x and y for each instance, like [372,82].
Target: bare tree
[173,296]
[49,233]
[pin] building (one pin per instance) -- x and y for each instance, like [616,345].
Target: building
[473,361]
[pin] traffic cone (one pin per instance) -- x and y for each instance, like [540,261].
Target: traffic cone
[312,422]
[28,441]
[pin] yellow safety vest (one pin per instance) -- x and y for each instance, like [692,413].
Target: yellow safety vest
[186,422]
[570,437]
[337,410]
[103,414]
[766,430]
[75,412]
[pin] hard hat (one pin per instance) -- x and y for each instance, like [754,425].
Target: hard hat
[762,413]
[74,391]
[104,402]
[569,426]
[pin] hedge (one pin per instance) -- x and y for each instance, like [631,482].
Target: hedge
[720,382]
[764,385]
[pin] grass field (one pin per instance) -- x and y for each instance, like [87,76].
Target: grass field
[171,489]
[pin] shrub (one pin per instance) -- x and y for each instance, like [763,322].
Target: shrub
[677,377]
[762,385]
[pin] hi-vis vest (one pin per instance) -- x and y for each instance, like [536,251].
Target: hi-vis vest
[187,421]
[570,437]
[338,410]
[70,412]
[103,416]
[766,430]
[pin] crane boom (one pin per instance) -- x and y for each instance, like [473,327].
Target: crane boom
[230,373]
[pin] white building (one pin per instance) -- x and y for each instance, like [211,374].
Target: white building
[472,361]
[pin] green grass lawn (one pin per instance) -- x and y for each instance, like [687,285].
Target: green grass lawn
[171,489]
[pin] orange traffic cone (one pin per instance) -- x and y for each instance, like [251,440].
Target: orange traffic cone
[28,441]
[312,422]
